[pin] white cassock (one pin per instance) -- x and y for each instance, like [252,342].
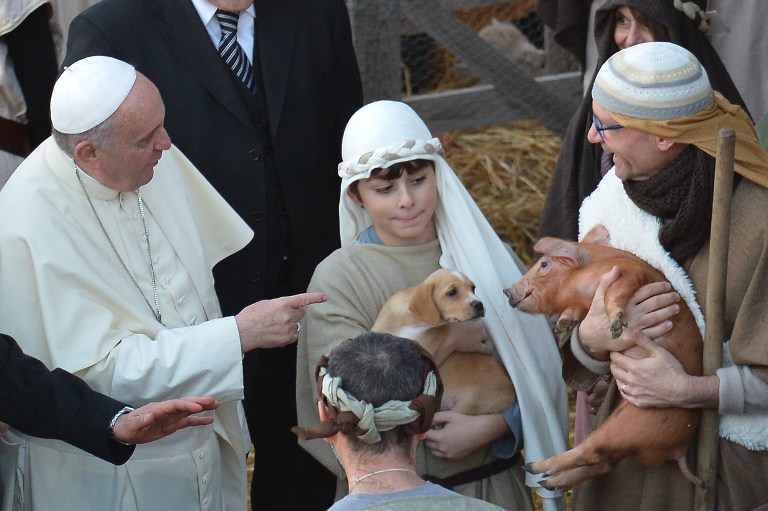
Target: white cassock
[68,301]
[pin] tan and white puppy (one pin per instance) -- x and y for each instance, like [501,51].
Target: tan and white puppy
[443,315]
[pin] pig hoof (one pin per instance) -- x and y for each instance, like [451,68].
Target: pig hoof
[529,468]
[618,325]
[546,484]
[564,328]
[550,485]
[564,324]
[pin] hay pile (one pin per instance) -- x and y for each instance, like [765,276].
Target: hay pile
[506,169]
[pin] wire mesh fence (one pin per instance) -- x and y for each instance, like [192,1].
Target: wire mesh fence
[513,28]
[484,76]
[464,63]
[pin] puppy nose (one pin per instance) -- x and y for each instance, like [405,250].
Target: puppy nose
[477,306]
[508,292]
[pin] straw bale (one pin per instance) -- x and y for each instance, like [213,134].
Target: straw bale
[506,169]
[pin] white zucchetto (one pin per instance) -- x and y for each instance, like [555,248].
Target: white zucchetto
[88,92]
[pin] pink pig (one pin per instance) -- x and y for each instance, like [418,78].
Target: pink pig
[563,281]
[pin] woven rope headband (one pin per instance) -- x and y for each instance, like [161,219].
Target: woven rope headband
[352,416]
[384,156]
[708,21]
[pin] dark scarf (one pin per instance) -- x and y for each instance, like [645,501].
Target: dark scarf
[681,195]
[577,171]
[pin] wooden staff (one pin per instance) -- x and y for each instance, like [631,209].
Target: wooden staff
[709,438]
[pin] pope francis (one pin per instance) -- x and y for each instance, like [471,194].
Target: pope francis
[106,250]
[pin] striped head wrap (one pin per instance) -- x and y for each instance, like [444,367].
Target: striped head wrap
[661,89]
[356,417]
[655,81]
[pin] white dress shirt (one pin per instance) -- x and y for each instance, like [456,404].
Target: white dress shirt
[245,25]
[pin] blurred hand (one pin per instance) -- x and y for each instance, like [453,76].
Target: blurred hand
[157,420]
[660,381]
[596,395]
[273,323]
[455,436]
[3,428]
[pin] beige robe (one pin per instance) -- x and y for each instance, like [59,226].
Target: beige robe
[69,302]
[358,280]
[742,480]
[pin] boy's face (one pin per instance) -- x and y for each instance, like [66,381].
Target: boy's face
[403,209]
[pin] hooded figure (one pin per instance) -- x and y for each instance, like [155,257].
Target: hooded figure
[578,168]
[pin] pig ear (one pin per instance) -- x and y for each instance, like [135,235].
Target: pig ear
[423,306]
[556,247]
[598,235]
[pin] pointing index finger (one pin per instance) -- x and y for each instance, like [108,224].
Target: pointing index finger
[303,299]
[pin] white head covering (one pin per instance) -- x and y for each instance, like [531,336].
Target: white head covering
[88,92]
[387,132]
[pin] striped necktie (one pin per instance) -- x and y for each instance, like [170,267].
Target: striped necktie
[232,53]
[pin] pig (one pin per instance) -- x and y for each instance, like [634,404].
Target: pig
[563,281]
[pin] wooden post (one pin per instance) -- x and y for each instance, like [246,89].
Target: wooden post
[715,307]
[376,37]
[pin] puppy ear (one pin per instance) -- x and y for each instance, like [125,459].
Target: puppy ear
[423,305]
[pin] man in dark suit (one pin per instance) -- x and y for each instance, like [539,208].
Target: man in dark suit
[56,404]
[272,154]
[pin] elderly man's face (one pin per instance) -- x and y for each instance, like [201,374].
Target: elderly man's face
[636,155]
[137,142]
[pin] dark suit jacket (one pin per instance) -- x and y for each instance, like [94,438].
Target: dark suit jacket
[56,404]
[310,85]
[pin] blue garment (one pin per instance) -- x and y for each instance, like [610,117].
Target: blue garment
[369,236]
[509,445]
[360,500]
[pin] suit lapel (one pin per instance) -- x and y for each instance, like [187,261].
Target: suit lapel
[276,33]
[182,31]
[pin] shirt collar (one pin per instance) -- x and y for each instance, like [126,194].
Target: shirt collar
[207,10]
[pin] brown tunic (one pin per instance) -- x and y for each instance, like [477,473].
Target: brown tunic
[358,280]
[742,474]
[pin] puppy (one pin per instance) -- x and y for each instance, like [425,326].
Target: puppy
[563,281]
[445,305]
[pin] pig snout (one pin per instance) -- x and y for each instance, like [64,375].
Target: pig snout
[518,292]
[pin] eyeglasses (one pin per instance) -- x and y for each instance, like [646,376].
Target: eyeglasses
[602,129]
